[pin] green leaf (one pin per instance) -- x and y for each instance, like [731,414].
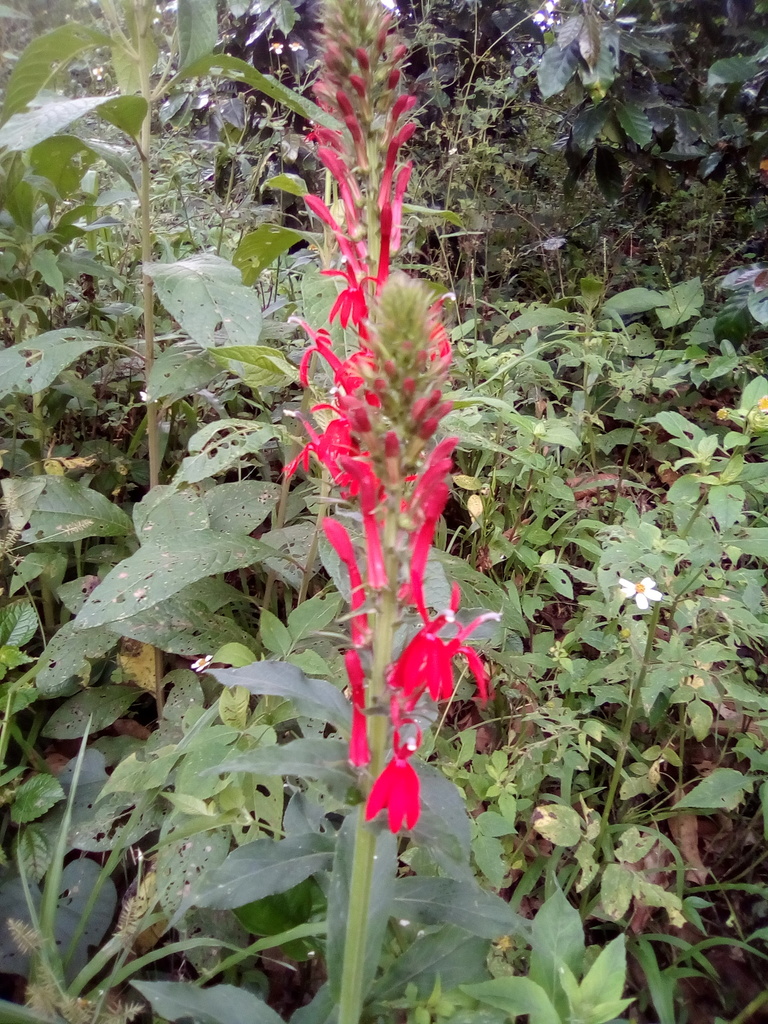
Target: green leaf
[160,569]
[293,185]
[324,759]
[43,59]
[432,901]
[313,615]
[608,173]
[313,698]
[605,980]
[219,1004]
[555,70]
[757,304]
[40,122]
[259,365]
[177,372]
[70,656]
[46,264]
[197,28]
[450,954]
[13,1013]
[240,71]
[34,797]
[31,367]
[617,887]
[262,868]
[681,303]
[634,300]
[588,124]
[69,510]
[732,70]
[558,823]
[558,941]
[635,122]
[102,704]
[220,445]
[443,828]
[18,623]
[724,789]
[206,295]
[241,507]
[274,635]
[260,248]
[516,996]
[126,113]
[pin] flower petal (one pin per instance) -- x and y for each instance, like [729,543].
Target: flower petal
[647,583]
[642,602]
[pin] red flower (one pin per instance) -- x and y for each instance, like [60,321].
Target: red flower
[352,303]
[359,751]
[342,545]
[397,791]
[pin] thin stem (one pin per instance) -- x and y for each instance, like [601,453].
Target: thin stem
[626,730]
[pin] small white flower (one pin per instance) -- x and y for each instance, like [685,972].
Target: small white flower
[202,663]
[643,592]
[144,396]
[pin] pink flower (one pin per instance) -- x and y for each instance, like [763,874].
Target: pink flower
[397,791]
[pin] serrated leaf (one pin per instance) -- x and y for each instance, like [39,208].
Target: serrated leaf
[18,623]
[724,789]
[42,60]
[103,705]
[31,367]
[219,1004]
[197,28]
[206,295]
[69,510]
[260,248]
[34,797]
[162,569]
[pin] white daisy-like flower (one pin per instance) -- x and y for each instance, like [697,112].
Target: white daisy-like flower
[643,592]
[201,664]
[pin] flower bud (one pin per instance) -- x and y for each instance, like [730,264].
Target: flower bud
[358,85]
[362,59]
[394,78]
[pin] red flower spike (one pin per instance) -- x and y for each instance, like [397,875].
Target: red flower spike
[401,184]
[339,540]
[369,491]
[362,58]
[359,751]
[397,791]
[394,78]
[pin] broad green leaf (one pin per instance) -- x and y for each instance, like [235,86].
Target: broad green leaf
[634,300]
[241,507]
[555,70]
[274,634]
[206,295]
[290,183]
[178,372]
[312,698]
[450,954]
[42,60]
[69,510]
[70,657]
[161,569]
[443,828]
[123,161]
[516,996]
[31,367]
[18,623]
[757,304]
[681,303]
[197,28]
[260,248]
[724,789]
[752,393]
[731,70]
[220,445]
[313,615]
[41,121]
[102,704]
[605,980]
[558,823]
[588,125]
[46,264]
[240,71]
[126,113]
[598,77]
[558,941]
[258,365]
[165,511]
[219,1004]
[183,862]
[325,759]
[34,797]
[635,122]
[262,868]
[432,901]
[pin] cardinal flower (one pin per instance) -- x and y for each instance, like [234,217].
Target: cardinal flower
[396,790]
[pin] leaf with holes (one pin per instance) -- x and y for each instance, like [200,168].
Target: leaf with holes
[207,296]
[221,445]
[260,248]
[69,510]
[159,570]
[178,372]
[69,658]
[31,367]
[259,366]
[241,507]
[183,863]
[103,705]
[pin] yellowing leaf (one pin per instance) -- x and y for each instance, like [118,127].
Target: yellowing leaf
[137,661]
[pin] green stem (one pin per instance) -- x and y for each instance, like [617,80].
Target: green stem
[355,942]
[626,729]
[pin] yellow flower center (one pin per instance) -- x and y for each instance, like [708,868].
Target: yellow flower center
[640,588]
[762,405]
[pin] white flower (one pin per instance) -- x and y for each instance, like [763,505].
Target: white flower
[643,592]
[201,664]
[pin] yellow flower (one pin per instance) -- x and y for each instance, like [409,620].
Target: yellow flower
[762,405]
[723,414]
